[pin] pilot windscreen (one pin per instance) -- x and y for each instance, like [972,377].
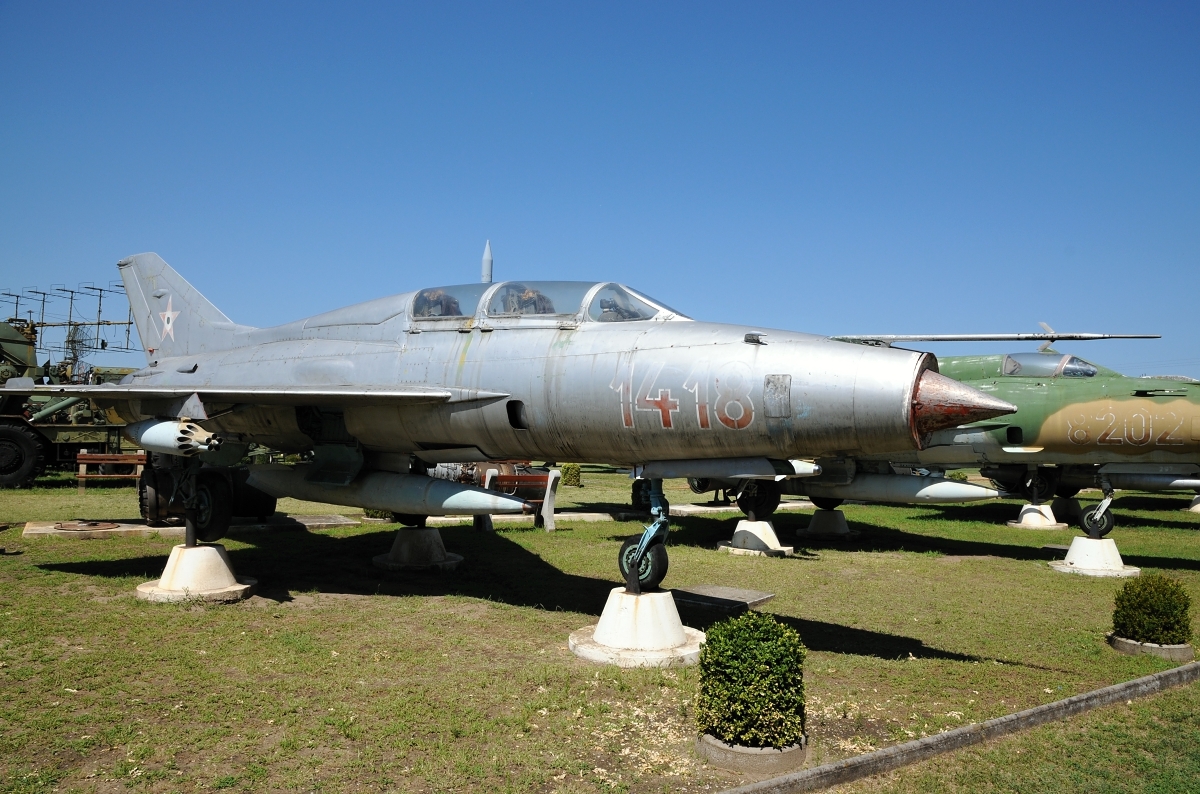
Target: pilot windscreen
[615,305]
[436,303]
[1078,368]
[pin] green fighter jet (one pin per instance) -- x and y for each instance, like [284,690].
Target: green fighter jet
[1078,425]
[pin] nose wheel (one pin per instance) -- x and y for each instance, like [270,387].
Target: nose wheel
[1098,519]
[643,558]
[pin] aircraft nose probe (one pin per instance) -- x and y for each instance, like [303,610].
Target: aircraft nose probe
[939,403]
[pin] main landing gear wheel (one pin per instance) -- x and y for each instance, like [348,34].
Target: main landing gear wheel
[154,493]
[1067,491]
[1040,484]
[758,499]
[826,502]
[654,564]
[22,458]
[409,520]
[1096,524]
[214,507]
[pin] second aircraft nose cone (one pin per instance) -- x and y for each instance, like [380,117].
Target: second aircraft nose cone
[939,402]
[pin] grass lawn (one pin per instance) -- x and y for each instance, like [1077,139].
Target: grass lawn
[341,677]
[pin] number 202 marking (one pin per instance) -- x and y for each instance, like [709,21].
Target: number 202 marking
[1137,429]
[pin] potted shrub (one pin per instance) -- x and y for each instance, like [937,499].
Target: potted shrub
[750,710]
[1153,615]
[571,475]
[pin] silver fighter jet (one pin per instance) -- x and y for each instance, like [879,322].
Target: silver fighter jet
[375,393]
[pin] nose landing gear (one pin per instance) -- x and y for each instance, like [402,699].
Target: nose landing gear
[642,560]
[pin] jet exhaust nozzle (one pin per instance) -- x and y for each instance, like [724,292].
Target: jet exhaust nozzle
[172,437]
[940,402]
[413,494]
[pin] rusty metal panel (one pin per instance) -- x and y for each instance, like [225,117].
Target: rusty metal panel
[777,396]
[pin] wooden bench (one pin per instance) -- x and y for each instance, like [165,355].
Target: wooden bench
[544,517]
[85,459]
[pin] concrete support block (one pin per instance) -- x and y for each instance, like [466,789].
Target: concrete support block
[201,573]
[1195,506]
[1094,557]
[826,524]
[1036,517]
[755,538]
[418,549]
[638,631]
[545,516]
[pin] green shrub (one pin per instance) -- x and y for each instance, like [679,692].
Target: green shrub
[957,474]
[570,475]
[752,682]
[369,513]
[1153,608]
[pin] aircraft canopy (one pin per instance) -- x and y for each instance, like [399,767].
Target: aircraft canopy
[1047,365]
[608,302]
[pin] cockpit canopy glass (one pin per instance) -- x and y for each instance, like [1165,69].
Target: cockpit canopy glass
[613,304]
[1047,365]
[459,301]
[538,297]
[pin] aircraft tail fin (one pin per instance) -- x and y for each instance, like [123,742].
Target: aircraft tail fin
[172,317]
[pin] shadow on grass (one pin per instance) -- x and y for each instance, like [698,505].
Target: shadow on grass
[1001,513]
[702,532]
[1177,500]
[496,569]
[836,638]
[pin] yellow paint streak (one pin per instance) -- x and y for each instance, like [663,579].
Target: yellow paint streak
[462,356]
[1125,427]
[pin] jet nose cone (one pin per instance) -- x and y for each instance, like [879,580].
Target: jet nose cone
[939,402]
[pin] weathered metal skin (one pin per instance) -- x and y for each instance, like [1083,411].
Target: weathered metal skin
[620,394]
[564,386]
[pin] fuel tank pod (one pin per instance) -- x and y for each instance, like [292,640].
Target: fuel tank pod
[896,488]
[384,490]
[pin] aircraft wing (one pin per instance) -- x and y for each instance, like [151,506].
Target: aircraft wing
[257,395]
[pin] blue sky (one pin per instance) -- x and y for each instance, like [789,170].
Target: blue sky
[836,168]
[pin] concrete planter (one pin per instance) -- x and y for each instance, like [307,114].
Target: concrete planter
[1174,653]
[752,760]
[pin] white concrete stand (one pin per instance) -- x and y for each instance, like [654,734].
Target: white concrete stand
[826,524]
[756,539]
[1037,517]
[1195,506]
[418,549]
[638,631]
[198,573]
[1094,557]
[1066,507]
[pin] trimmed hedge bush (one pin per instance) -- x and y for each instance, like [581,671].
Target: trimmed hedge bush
[1153,608]
[570,475]
[369,513]
[752,682]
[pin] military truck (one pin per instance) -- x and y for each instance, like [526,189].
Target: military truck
[37,433]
